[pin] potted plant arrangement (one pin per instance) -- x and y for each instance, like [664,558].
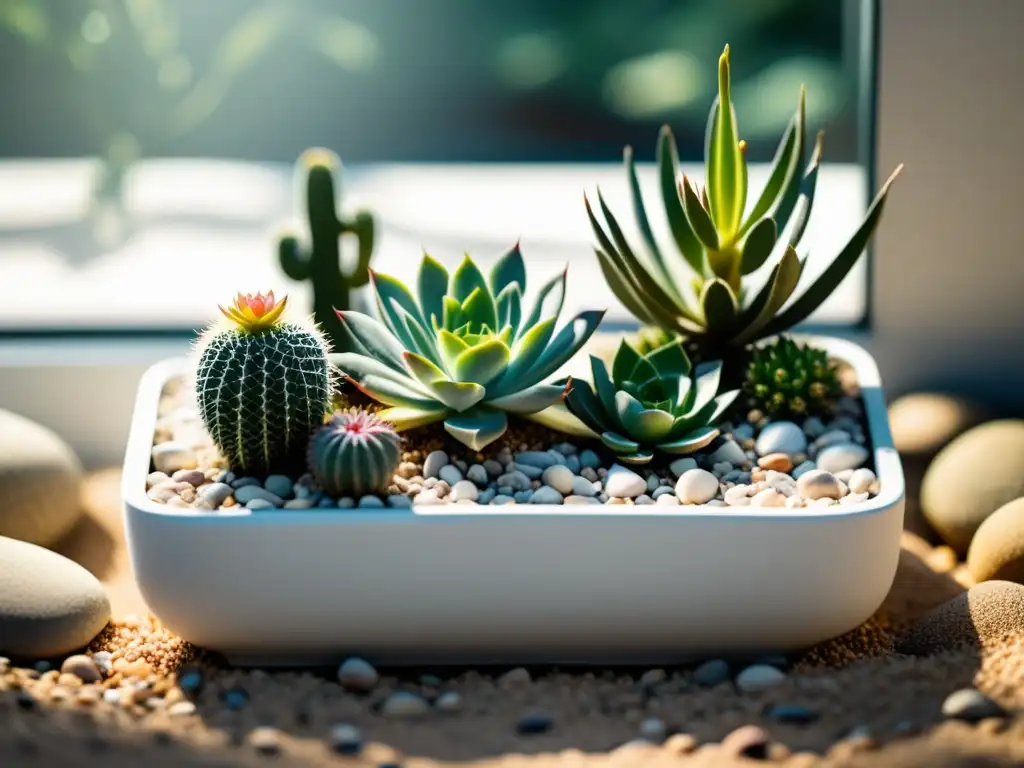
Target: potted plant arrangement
[440,490]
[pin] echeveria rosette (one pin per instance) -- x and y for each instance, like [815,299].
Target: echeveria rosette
[651,402]
[700,291]
[463,350]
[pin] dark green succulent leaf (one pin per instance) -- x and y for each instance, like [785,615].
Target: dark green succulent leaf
[452,313]
[604,388]
[479,310]
[640,213]
[433,285]
[785,173]
[583,403]
[726,183]
[509,305]
[619,443]
[719,406]
[542,307]
[758,247]
[404,418]
[719,306]
[670,360]
[509,269]
[830,279]
[422,342]
[567,342]
[451,347]
[708,379]
[526,355]
[693,441]
[392,295]
[621,285]
[775,293]
[683,394]
[668,171]
[807,189]
[698,217]
[467,277]
[529,400]
[483,363]
[624,363]
[477,428]
[372,338]
[791,192]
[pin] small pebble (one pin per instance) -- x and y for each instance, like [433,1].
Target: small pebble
[537,459]
[464,490]
[259,504]
[624,483]
[478,474]
[434,462]
[970,705]
[589,459]
[747,741]
[515,677]
[819,484]
[842,456]
[781,437]
[758,677]
[779,462]
[861,481]
[696,486]
[404,704]
[729,452]
[169,457]
[399,502]
[356,674]
[711,673]
[653,730]
[546,495]
[450,474]
[248,493]
[681,465]
[279,485]
[82,667]
[560,478]
[265,740]
[449,702]
[790,713]
[181,709]
[666,500]
[531,725]
[235,698]
[370,502]
[344,739]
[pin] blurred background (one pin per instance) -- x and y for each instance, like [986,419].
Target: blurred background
[150,141]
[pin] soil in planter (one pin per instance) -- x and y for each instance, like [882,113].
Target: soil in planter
[757,463]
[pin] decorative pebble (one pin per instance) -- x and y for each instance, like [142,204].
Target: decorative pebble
[653,730]
[190,681]
[582,487]
[370,502]
[404,704]
[344,739]
[477,474]
[169,457]
[861,481]
[518,676]
[249,493]
[560,478]
[711,673]
[971,705]
[842,456]
[819,484]
[696,486]
[781,437]
[450,474]
[538,459]
[515,480]
[590,459]
[259,504]
[758,677]
[464,490]
[193,477]
[356,674]
[779,462]
[82,667]
[624,483]
[546,495]
[581,500]
[448,702]
[534,724]
[399,502]
[236,698]
[279,485]
[666,500]
[181,709]
[433,463]
[747,741]
[214,494]
[729,452]
[792,713]
[265,740]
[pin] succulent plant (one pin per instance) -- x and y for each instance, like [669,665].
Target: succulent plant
[355,453]
[317,173]
[651,402]
[785,378]
[464,350]
[263,384]
[700,292]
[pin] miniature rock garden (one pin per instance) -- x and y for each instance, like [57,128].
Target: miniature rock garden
[451,390]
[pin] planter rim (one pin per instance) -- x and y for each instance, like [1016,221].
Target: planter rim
[887,467]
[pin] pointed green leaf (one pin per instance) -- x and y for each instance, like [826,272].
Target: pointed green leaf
[624,290]
[640,214]
[403,418]
[567,342]
[708,379]
[358,367]
[478,309]
[584,404]
[693,441]
[775,293]
[373,338]
[391,294]
[526,352]
[423,370]
[422,342]
[509,306]
[644,424]
[467,277]
[784,206]
[624,363]
[697,216]
[807,189]
[451,347]
[758,246]
[482,363]
[682,397]
[509,269]
[477,428]
[529,400]
[619,443]
[719,305]
[670,359]
[458,395]
[830,279]
[785,168]
[668,171]
[726,182]
[604,388]
[432,286]
[542,308]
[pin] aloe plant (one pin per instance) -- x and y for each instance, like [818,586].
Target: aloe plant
[463,350]
[700,292]
[651,402]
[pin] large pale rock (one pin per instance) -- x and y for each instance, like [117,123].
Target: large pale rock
[997,549]
[923,423]
[40,481]
[49,605]
[971,478]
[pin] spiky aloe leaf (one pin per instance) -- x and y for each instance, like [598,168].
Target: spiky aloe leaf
[640,214]
[549,302]
[372,339]
[758,246]
[772,297]
[727,179]
[509,269]
[668,171]
[720,306]
[567,342]
[698,217]
[509,304]
[807,189]
[529,400]
[411,418]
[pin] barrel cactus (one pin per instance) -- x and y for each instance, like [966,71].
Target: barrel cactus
[355,453]
[787,379]
[654,402]
[464,351]
[335,284]
[263,385]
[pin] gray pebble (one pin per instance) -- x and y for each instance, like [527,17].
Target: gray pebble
[781,437]
[523,497]
[279,485]
[573,499]
[590,474]
[326,503]
[573,463]
[546,495]
[486,496]
[404,704]
[537,459]
[514,480]
[819,484]
[643,500]
[661,491]
[450,474]
[559,458]
[399,502]
[449,701]
[711,673]
[681,465]
[803,468]
[582,487]
[244,482]
[534,473]
[560,478]
[356,674]
[590,459]
[728,452]
[566,449]
[494,468]
[971,705]
[193,477]
[462,466]
[370,502]
[502,498]
[477,474]
[248,493]
[346,502]
[214,494]
[345,739]
[260,504]
[433,463]
[842,456]
[792,713]
[758,677]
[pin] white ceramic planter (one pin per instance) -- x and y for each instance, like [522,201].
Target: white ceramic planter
[476,584]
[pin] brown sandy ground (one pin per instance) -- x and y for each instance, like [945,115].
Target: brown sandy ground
[854,684]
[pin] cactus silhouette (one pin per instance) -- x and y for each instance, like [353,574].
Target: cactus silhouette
[318,173]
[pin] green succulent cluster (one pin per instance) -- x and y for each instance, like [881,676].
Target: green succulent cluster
[701,292]
[463,350]
[786,378]
[651,402]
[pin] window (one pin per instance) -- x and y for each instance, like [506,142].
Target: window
[197,111]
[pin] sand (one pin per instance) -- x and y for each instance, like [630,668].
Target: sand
[853,684]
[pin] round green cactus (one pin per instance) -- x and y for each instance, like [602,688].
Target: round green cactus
[785,378]
[263,385]
[354,453]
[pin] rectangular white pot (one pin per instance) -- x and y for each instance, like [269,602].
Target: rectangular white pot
[476,584]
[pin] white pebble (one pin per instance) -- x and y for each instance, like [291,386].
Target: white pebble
[559,477]
[781,437]
[426,498]
[854,498]
[581,500]
[842,456]
[464,490]
[819,484]
[624,483]
[696,486]
[769,497]
[737,496]
[170,457]
[667,500]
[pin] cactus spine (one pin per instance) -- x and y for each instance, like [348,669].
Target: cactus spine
[355,453]
[263,385]
[318,172]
